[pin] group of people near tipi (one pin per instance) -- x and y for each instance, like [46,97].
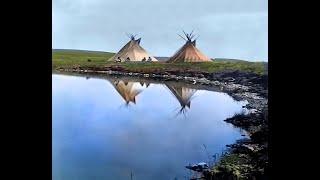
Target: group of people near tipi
[128,59]
[132,51]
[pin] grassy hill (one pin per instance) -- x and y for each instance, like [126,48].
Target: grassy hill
[62,57]
[66,58]
[229,60]
[263,63]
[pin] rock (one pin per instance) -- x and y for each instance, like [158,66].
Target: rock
[194,81]
[250,147]
[173,76]
[200,167]
[216,83]
[203,80]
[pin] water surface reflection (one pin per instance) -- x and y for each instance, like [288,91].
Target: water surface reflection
[95,138]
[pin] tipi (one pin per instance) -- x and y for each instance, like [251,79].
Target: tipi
[183,95]
[127,89]
[188,52]
[132,51]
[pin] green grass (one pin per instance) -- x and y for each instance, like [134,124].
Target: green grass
[237,166]
[71,58]
[63,58]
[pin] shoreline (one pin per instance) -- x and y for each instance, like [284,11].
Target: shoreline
[239,85]
[247,158]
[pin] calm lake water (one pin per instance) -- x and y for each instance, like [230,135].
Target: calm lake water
[114,129]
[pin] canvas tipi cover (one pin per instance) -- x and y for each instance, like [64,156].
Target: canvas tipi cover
[126,90]
[132,51]
[188,52]
[182,94]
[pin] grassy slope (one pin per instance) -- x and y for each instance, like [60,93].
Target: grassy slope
[69,58]
[64,58]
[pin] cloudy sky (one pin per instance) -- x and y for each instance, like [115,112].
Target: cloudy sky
[227,28]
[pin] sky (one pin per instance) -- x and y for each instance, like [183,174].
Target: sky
[236,29]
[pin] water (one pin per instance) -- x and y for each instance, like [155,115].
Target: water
[114,129]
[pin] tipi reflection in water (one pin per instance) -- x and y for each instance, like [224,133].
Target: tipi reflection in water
[128,90]
[183,95]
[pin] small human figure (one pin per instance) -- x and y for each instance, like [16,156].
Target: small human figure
[149,59]
[144,59]
[118,59]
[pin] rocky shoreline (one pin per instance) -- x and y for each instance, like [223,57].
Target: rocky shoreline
[247,158]
[240,85]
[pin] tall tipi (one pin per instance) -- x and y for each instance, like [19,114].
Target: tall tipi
[126,90]
[188,52]
[182,94]
[132,51]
